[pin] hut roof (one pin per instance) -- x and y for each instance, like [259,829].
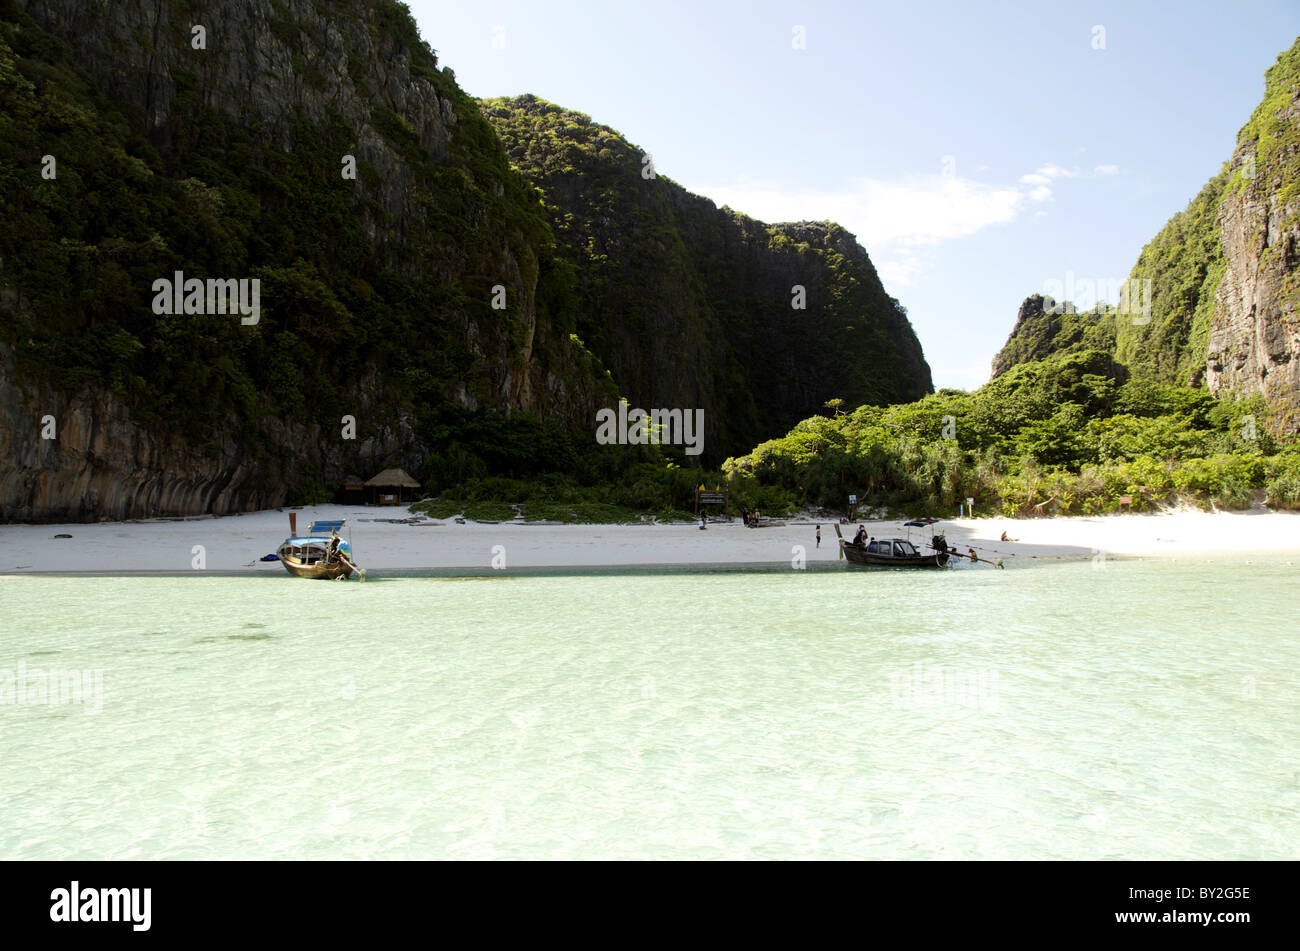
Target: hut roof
[393,477]
[353,480]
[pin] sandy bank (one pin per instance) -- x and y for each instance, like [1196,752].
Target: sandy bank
[237,542]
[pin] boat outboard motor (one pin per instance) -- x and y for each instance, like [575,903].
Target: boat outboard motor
[939,543]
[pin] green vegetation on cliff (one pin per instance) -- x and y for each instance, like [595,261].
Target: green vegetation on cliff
[691,305]
[1271,136]
[1184,264]
[348,321]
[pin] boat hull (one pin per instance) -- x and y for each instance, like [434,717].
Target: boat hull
[320,570]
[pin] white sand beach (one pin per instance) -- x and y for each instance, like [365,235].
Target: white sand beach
[235,543]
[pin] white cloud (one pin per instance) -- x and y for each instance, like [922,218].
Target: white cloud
[917,210]
[1107,169]
[896,219]
[1055,171]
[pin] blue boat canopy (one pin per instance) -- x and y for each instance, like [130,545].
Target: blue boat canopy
[302,541]
[324,528]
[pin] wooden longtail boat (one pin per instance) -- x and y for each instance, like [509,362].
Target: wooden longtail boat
[310,555]
[893,553]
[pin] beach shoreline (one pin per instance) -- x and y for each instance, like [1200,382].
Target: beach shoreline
[385,539]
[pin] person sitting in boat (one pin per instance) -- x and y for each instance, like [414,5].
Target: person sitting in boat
[860,539]
[333,551]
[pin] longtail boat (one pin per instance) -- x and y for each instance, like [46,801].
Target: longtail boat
[893,553]
[321,553]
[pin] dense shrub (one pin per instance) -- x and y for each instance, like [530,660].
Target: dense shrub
[1067,435]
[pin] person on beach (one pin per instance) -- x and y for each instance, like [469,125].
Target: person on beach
[819,536]
[701,521]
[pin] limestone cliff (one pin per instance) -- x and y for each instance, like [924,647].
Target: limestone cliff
[1254,340]
[692,305]
[1222,276]
[211,138]
[1044,327]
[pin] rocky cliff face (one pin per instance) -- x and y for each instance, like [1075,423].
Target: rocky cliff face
[100,463]
[691,305]
[1223,278]
[1254,344]
[1044,327]
[436,220]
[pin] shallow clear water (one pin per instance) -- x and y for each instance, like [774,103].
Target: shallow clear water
[1146,709]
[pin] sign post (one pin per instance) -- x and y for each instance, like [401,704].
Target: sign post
[711,498]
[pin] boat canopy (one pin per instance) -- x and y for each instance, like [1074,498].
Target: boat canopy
[324,528]
[321,540]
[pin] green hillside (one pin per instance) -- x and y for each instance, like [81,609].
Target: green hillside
[690,305]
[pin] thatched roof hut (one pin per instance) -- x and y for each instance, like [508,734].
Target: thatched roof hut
[391,487]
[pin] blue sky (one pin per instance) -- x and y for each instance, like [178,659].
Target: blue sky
[978,151]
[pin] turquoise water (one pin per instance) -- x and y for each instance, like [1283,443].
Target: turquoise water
[1144,709]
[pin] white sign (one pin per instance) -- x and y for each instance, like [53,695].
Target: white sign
[853,500]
